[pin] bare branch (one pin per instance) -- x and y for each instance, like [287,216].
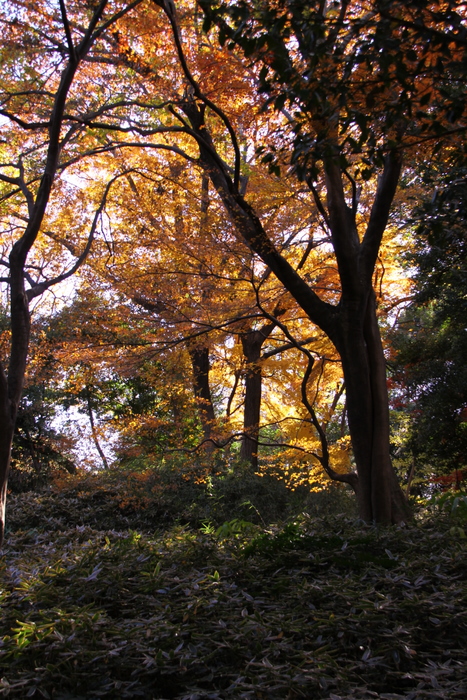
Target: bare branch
[387,185]
[118,15]
[289,346]
[228,410]
[9,180]
[319,204]
[350,478]
[24,125]
[353,184]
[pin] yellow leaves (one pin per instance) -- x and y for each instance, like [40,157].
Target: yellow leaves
[295,473]
[5,339]
[168,265]
[340,456]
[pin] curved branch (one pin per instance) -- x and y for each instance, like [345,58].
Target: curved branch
[128,144]
[318,202]
[379,215]
[169,9]
[41,287]
[24,125]
[118,15]
[349,478]
[353,185]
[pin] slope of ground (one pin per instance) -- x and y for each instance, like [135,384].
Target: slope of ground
[321,608]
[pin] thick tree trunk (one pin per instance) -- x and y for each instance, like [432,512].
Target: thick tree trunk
[380,497]
[6,439]
[199,356]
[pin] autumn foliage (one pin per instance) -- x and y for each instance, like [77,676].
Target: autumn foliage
[228,185]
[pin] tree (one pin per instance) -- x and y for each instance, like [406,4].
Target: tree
[339,93]
[44,95]
[41,448]
[197,257]
[430,338]
[349,84]
[197,283]
[350,89]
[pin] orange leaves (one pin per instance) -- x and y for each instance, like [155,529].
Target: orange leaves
[169,270]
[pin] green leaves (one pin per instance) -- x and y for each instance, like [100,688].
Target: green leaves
[345,70]
[317,606]
[454,503]
[431,361]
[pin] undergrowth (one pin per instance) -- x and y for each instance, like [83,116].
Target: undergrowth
[314,608]
[154,499]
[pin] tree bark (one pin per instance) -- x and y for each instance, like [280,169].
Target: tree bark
[379,496]
[11,387]
[94,434]
[7,423]
[199,356]
[251,344]
[351,324]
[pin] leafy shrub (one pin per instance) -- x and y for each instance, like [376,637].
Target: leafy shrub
[181,491]
[454,503]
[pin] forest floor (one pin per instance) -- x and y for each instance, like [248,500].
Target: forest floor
[317,608]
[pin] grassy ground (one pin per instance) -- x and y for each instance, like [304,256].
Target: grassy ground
[319,608]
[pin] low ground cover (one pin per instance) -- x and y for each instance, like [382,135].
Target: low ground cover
[319,607]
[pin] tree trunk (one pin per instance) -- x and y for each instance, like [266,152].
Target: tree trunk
[11,388]
[351,325]
[199,356]
[6,439]
[411,474]
[251,343]
[94,434]
[379,496]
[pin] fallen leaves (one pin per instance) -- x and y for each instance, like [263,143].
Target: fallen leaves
[321,608]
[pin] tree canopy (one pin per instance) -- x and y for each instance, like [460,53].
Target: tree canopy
[229,183]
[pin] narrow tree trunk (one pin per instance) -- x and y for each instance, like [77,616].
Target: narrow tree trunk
[251,343]
[199,356]
[11,388]
[411,475]
[95,437]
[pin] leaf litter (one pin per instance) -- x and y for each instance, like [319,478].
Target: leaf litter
[324,608]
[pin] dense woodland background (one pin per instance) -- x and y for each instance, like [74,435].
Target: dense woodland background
[232,340]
